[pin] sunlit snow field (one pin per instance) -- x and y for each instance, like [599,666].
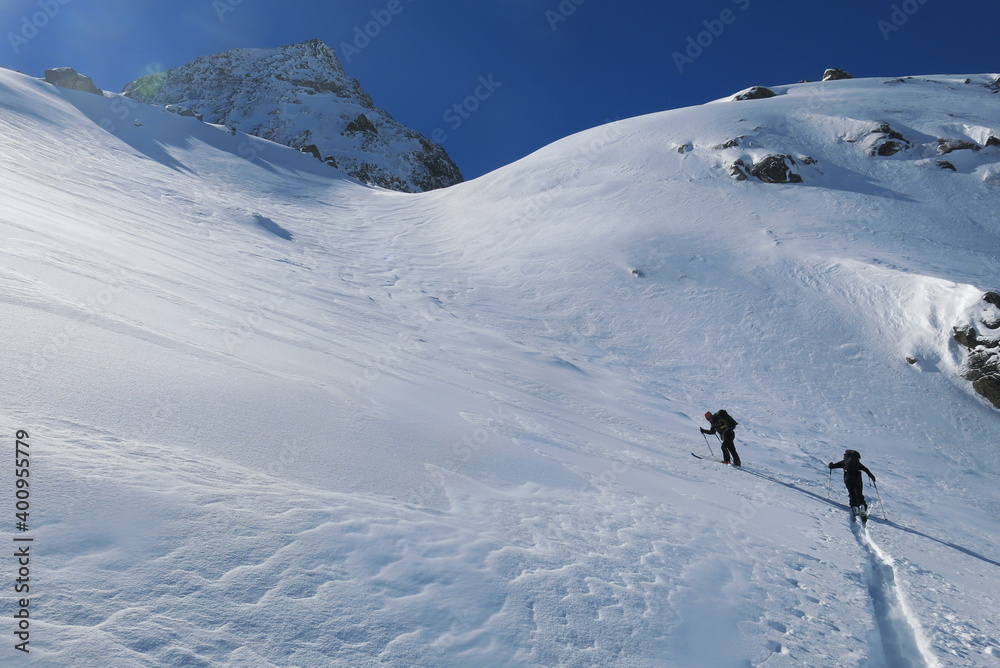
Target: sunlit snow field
[279,418]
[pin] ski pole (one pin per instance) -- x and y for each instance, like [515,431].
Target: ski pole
[881,505]
[828,483]
[708,444]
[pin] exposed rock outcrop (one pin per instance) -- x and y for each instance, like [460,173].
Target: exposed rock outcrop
[731,143]
[884,141]
[739,170]
[983,370]
[184,111]
[300,96]
[361,124]
[754,93]
[67,77]
[834,74]
[775,169]
[946,146]
[982,366]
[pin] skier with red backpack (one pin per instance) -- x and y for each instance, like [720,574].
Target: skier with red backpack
[724,425]
[851,463]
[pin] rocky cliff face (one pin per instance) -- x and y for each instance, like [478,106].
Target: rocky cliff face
[982,365]
[300,96]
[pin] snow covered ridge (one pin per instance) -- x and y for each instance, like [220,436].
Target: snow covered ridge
[300,96]
[876,138]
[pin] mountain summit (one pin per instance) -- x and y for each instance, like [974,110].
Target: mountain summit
[300,96]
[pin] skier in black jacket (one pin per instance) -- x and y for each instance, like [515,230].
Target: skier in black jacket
[851,463]
[724,425]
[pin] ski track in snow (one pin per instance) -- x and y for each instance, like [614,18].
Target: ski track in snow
[902,642]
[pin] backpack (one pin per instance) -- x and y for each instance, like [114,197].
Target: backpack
[725,420]
[852,460]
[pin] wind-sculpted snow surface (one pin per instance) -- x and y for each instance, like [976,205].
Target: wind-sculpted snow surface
[279,418]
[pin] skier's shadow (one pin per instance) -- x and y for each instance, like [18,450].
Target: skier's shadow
[818,497]
[963,550]
[887,522]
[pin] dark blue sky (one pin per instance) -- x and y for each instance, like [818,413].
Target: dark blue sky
[551,67]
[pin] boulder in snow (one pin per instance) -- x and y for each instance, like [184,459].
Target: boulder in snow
[983,370]
[946,146]
[67,77]
[732,143]
[884,141]
[991,316]
[183,111]
[738,170]
[754,93]
[966,335]
[775,169]
[834,74]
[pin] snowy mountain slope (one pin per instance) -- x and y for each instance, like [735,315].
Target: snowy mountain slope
[279,418]
[300,96]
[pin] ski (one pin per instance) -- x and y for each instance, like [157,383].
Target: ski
[857,512]
[708,459]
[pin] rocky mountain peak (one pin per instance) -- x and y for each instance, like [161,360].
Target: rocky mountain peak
[300,96]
